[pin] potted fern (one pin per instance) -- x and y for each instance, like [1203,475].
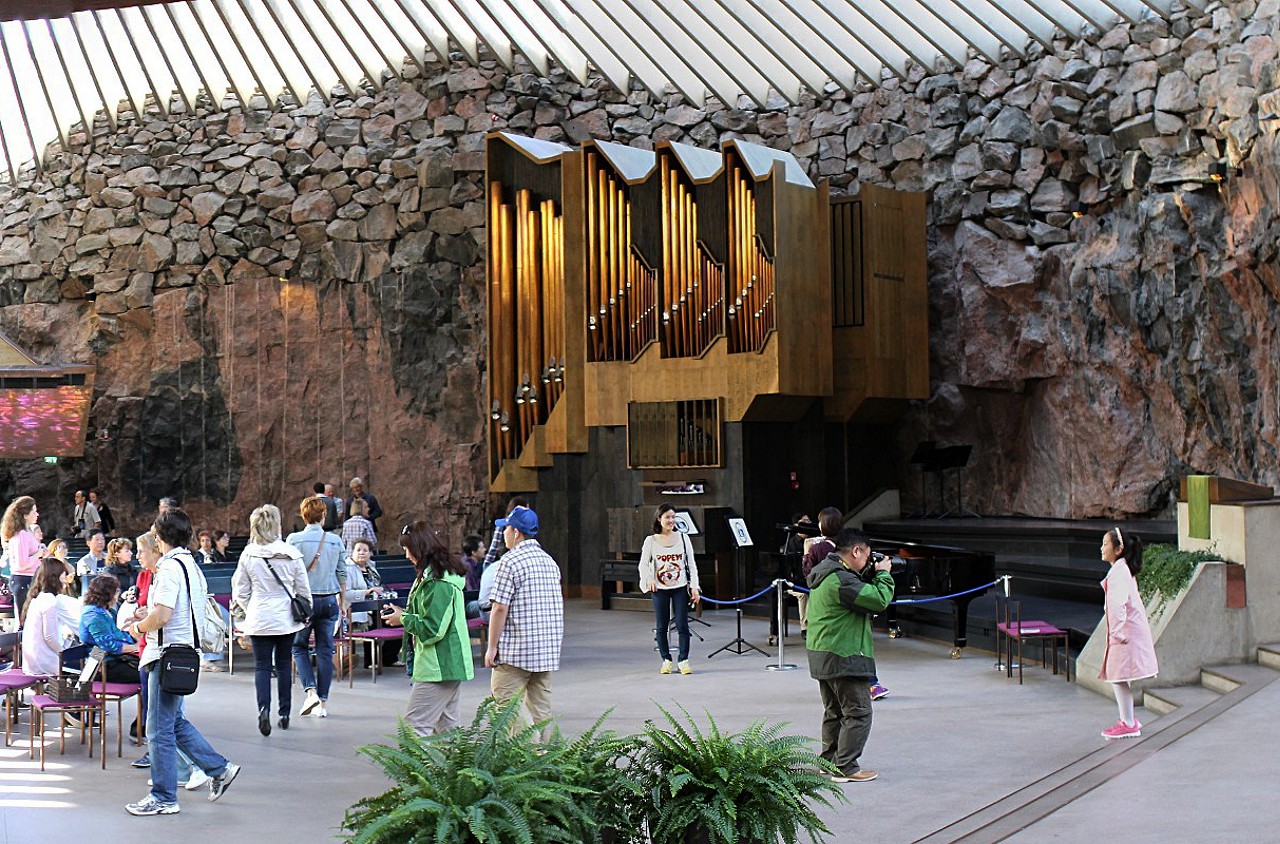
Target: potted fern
[479,783]
[603,764]
[722,787]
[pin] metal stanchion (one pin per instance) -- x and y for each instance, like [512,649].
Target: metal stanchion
[780,587]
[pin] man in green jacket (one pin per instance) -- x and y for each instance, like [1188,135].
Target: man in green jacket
[841,653]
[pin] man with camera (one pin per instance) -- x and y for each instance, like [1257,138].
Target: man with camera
[846,589]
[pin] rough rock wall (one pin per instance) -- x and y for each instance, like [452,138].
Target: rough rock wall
[281,295]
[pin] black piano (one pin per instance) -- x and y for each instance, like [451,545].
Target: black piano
[932,570]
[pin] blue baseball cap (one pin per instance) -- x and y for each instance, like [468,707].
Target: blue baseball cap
[522,519]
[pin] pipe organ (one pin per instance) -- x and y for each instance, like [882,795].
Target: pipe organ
[671,291]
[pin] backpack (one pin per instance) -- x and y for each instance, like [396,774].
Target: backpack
[213,636]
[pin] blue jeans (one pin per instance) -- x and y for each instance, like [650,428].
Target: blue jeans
[323,619]
[666,604]
[148,723]
[19,585]
[170,732]
[272,653]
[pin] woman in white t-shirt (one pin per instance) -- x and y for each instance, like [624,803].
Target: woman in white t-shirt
[669,570]
[52,618]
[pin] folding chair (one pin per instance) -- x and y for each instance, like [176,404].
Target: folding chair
[92,712]
[119,693]
[373,637]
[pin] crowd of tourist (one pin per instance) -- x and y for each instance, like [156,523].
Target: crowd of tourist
[289,598]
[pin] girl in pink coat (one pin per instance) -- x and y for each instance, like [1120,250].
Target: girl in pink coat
[1130,653]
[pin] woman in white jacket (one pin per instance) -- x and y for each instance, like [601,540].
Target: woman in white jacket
[668,570]
[269,574]
[50,618]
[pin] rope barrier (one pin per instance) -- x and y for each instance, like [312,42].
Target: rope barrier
[791,585]
[768,588]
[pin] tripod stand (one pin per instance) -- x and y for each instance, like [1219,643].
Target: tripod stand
[739,645]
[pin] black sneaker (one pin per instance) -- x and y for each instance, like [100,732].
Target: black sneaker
[223,781]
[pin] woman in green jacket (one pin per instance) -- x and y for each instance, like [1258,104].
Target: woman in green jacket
[436,618]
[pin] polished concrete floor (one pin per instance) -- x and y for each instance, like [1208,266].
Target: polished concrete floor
[954,741]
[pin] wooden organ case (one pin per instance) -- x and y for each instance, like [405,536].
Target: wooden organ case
[535,296]
[676,290]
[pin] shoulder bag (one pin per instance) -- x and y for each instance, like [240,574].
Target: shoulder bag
[179,664]
[300,606]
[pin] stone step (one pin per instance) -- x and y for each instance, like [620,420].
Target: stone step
[1269,655]
[1225,679]
[1164,701]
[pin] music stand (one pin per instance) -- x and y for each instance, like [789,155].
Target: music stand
[921,457]
[955,458]
[741,539]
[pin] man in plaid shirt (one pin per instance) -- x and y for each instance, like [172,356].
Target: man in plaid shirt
[526,624]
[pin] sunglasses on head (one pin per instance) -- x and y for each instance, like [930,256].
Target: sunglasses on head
[404,531]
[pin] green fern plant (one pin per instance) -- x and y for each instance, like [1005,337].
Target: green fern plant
[487,782]
[753,785]
[604,763]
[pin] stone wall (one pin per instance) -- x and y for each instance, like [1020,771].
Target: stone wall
[278,295]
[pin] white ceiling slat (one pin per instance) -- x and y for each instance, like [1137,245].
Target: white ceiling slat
[212,91]
[21,106]
[292,43]
[395,34]
[318,52]
[86,107]
[276,53]
[841,62]
[358,55]
[156,45]
[807,70]
[126,73]
[513,31]
[721,63]
[238,78]
[431,29]
[679,71]
[85,51]
[554,39]
[772,72]
[236,36]
[605,56]
[43,79]
[61,72]
[478,26]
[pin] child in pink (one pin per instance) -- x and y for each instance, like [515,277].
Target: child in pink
[1130,653]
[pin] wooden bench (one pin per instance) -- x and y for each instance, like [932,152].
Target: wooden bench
[613,573]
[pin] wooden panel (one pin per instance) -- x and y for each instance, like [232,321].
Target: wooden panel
[1227,490]
[880,287]
[674,434]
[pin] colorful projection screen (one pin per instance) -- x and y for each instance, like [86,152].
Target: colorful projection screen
[43,421]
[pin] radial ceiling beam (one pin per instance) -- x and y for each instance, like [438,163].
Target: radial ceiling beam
[62,62]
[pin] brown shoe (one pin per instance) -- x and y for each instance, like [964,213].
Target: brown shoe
[863,775]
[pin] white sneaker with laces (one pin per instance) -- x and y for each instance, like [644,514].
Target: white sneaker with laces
[199,779]
[310,704]
[149,805]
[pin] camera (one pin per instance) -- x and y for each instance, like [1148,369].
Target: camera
[896,565]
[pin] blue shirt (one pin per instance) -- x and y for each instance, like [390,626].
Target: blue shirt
[328,575]
[98,627]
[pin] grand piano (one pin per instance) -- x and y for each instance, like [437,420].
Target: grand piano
[932,570]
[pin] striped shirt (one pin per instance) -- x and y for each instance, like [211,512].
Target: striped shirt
[528,582]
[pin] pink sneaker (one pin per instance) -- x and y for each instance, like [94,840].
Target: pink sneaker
[1122,730]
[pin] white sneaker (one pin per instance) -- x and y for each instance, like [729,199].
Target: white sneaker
[310,704]
[199,779]
[324,710]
